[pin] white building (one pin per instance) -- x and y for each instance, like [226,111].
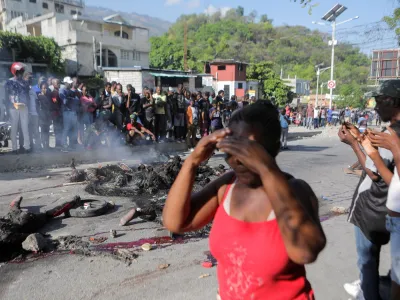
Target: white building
[83,39]
[298,86]
[28,9]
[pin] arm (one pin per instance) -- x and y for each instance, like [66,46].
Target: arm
[362,158]
[184,211]
[346,137]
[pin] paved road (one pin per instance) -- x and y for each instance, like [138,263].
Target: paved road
[319,161]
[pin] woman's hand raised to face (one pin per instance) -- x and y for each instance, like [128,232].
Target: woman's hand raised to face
[250,153]
[207,145]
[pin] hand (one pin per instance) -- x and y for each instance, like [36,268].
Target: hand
[353,131]
[384,140]
[207,145]
[250,153]
[153,137]
[370,150]
[346,137]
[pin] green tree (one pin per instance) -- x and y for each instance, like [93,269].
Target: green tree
[394,22]
[37,48]
[272,86]
[240,11]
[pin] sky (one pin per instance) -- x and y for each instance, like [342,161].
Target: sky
[363,32]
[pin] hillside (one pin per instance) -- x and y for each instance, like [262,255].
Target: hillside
[156,26]
[294,49]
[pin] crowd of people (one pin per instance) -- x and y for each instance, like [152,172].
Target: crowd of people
[319,117]
[80,120]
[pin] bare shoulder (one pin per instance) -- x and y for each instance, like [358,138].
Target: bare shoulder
[222,183]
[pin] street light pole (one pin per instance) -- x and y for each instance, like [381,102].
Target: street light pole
[332,59]
[316,96]
[330,17]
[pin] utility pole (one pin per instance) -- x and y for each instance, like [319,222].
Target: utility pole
[330,17]
[319,72]
[185,66]
[332,59]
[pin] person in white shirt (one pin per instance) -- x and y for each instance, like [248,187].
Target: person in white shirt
[391,142]
[316,117]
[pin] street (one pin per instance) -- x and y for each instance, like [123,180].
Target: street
[319,160]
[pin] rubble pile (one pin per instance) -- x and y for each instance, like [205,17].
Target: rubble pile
[115,180]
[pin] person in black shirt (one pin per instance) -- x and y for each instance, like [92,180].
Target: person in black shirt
[148,108]
[179,116]
[221,97]
[44,111]
[105,102]
[118,100]
[133,103]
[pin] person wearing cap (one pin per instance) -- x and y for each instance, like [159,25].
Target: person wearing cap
[17,90]
[70,106]
[136,131]
[368,209]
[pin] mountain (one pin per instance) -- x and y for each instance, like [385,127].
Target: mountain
[156,26]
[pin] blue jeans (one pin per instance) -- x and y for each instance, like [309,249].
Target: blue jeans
[70,122]
[322,122]
[309,122]
[393,226]
[368,264]
[316,121]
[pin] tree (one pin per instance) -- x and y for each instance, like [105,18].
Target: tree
[37,48]
[272,86]
[394,22]
[240,11]
[264,19]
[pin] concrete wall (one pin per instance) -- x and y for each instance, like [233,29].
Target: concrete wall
[127,77]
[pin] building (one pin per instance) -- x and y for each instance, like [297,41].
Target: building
[301,87]
[28,9]
[228,75]
[148,77]
[83,39]
[385,65]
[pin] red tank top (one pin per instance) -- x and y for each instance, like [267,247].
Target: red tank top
[252,260]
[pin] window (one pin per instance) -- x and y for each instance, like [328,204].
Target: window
[73,12]
[136,55]
[124,34]
[124,54]
[221,68]
[198,82]
[32,1]
[79,13]
[240,85]
[59,8]
[45,5]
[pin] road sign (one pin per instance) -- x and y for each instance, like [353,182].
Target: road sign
[331,84]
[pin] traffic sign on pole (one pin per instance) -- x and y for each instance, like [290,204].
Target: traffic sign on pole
[331,84]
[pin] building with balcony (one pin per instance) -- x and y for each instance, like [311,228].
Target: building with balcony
[28,9]
[89,45]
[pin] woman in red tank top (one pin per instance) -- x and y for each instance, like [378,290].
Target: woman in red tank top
[266,225]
